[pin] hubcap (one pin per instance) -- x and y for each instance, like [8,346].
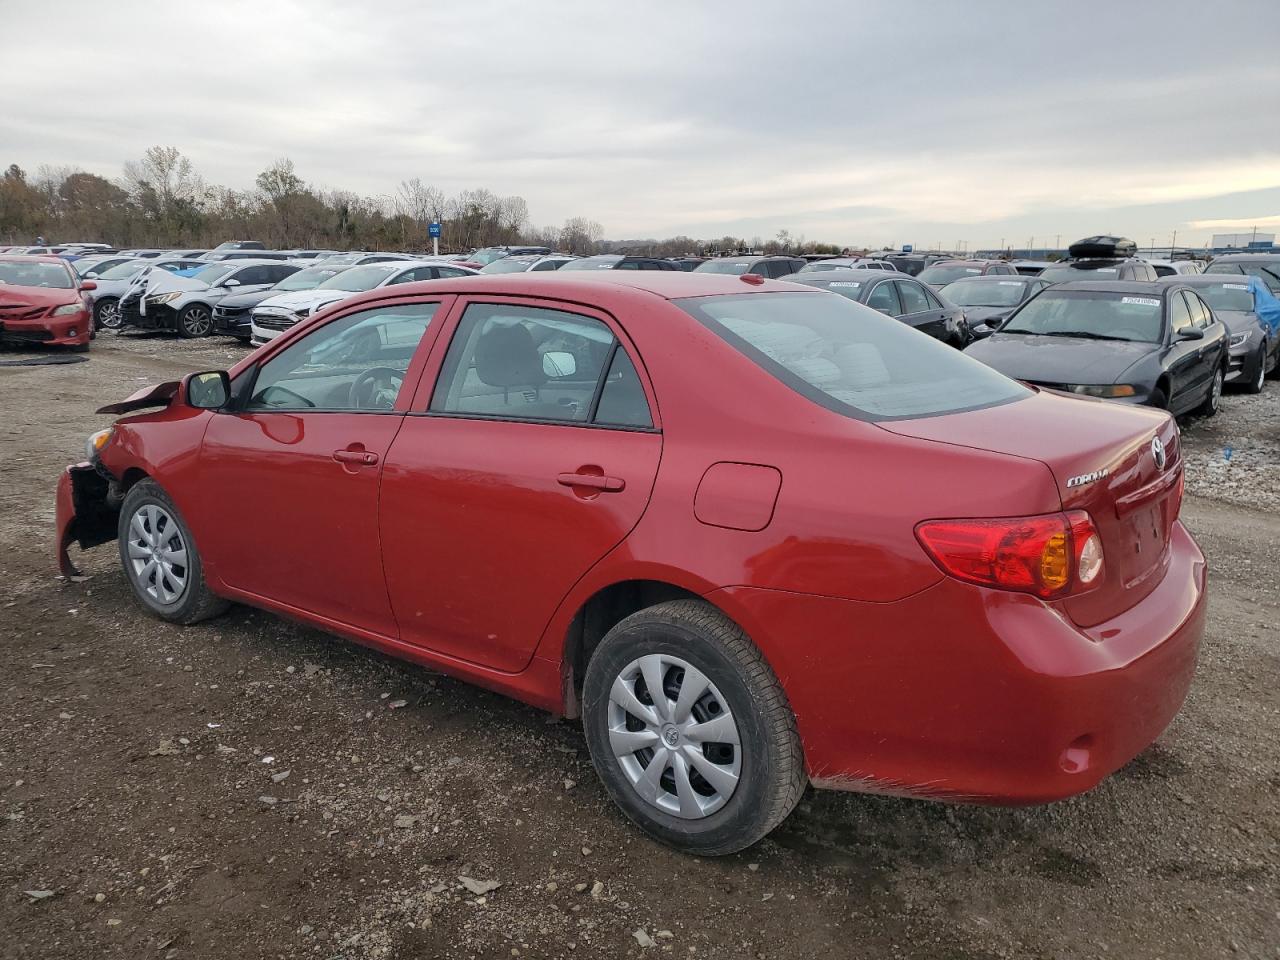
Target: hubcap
[199,321]
[674,736]
[1217,388]
[157,555]
[109,314]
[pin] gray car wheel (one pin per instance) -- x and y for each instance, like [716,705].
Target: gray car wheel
[195,321]
[106,313]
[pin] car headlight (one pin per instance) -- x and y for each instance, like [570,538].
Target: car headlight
[1103,389]
[67,309]
[1240,339]
[163,297]
[97,442]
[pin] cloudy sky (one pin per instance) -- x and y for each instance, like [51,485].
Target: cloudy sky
[855,123]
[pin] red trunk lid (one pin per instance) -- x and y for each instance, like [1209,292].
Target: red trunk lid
[1104,459]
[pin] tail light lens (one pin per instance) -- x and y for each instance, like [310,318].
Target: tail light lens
[1050,556]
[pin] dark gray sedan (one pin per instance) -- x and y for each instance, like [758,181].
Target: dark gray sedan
[1155,343]
[1253,348]
[988,301]
[898,295]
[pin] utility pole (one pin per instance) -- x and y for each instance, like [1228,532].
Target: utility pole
[1173,244]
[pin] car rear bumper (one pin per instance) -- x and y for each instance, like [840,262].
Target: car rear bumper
[69,331]
[969,694]
[85,512]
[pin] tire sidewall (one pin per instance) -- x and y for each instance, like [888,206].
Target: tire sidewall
[184,319]
[97,313]
[748,804]
[141,494]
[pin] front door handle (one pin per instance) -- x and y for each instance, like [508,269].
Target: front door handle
[593,481]
[363,457]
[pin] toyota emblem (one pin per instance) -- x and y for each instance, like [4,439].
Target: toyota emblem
[1157,451]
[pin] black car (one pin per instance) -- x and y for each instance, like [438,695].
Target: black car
[1253,348]
[231,314]
[942,272]
[1264,266]
[771,267]
[616,261]
[988,301]
[1100,258]
[1138,342]
[896,294]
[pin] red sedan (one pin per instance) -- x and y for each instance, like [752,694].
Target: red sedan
[42,301]
[755,535]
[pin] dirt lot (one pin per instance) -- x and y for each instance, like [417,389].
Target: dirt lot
[249,788]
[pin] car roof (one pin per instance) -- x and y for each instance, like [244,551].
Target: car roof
[1205,279]
[1246,257]
[246,262]
[998,278]
[1158,287]
[862,276]
[32,258]
[960,261]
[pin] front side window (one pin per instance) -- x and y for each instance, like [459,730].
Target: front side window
[913,299]
[357,362]
[850,359]
[1179,315]
[884,299]
[1200,315]
[518,362]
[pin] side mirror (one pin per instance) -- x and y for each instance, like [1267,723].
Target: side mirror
[87,285]
[231,282]
[1191,333]
[208,391]
[559,363]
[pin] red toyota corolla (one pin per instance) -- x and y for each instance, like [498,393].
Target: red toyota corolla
[42,301]
[755,535]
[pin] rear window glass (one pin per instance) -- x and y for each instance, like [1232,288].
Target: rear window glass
[941,275]
[1059,273]
[849,358]
[1091,315]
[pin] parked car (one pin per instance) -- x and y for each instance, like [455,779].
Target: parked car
[232,316]
[848,263]
[276,314]
[688,264]
[965,589]
[42,301]
[911,263]
[1176,268]
[939,274]
[522,263]
[487,255]
[1137,342]
[1029,268]
[1264,266]
[112,284]
[1100,258]
[358,258]
[771,267]
[988,301]
[1253,348]
[241,245]
[616,261]
[185,304]
[896,295]
[247,253]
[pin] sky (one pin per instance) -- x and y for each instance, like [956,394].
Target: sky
[946,123]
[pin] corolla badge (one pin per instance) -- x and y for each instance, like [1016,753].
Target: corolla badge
[1084,478]
[1157,451]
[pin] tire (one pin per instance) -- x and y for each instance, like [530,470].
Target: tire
[1259,379]
[106,313]
[1158,399]
[1274,372]
[707,817]
[195,321]
[1210,405]
[172,591]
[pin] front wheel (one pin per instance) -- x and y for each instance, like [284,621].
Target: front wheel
[195,321]
[106,313]
[160,560]
[1210,405]
[690,730]
[1259,378]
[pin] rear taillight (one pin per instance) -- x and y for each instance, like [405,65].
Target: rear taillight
[1050,556]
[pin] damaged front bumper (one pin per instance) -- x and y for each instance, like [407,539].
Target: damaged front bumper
[87,512]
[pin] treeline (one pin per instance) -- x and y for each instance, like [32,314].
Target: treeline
[161,200]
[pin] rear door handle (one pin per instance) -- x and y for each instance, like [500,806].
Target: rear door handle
[356,456]
[592,480]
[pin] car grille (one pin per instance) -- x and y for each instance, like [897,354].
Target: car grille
[273,321]
[224,318]
[21,311]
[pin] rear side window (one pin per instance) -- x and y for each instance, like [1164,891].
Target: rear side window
[884,299]
[850,359]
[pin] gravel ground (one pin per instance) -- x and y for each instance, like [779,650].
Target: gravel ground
[252,788]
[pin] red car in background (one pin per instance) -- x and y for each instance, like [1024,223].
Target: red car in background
[42,301]
[756,536]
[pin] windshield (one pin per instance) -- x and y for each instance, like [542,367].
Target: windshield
[508,265]
[1059,272]
[722,266]
[849,358]
[361,278]
[940,275]
[122,271]
[36,274]
[985,293]
[1100,315]
[1228,296]
[592,263]
[487,255]
[306,279]
[823,265]
[213,274]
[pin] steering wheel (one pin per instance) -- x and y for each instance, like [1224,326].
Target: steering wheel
[376,388]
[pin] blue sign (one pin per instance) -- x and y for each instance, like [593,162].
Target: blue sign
[433,230]
[907,248]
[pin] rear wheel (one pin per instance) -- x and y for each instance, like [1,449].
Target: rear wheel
[160,559]
[106,313]
[195,321]
[1210,405]
[690,730]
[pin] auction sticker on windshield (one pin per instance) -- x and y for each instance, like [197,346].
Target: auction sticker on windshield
[1141,301]
[845,283]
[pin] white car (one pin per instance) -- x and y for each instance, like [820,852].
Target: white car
[1177,268]
[275,315]
[112,283]
[849,263]
[161,301]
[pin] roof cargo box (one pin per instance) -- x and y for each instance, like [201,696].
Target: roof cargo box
[1117,247]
